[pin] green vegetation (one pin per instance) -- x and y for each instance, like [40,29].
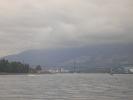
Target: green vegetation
[13,67]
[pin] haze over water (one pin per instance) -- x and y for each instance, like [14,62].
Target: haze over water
[66,87]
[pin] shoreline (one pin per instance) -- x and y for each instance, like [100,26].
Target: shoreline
[59,73]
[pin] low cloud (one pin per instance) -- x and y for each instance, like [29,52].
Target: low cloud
[34,24]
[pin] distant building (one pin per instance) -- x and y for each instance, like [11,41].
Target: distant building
[128,70]
[58,70]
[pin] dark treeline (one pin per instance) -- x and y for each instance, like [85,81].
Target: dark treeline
[13,67]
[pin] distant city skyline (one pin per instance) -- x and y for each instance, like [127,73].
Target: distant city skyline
[41,24]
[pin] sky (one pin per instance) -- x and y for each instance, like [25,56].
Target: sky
[41,24]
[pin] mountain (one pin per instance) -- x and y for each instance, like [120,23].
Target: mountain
[88,56]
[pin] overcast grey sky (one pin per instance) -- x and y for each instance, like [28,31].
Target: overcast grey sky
[34,24]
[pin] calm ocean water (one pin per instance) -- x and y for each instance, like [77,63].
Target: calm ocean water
[66,87]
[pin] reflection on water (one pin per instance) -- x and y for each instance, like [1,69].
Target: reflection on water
[66,87]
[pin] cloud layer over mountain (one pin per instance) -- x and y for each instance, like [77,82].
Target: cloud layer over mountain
[35,24]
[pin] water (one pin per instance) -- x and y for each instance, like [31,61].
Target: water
[66,87]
